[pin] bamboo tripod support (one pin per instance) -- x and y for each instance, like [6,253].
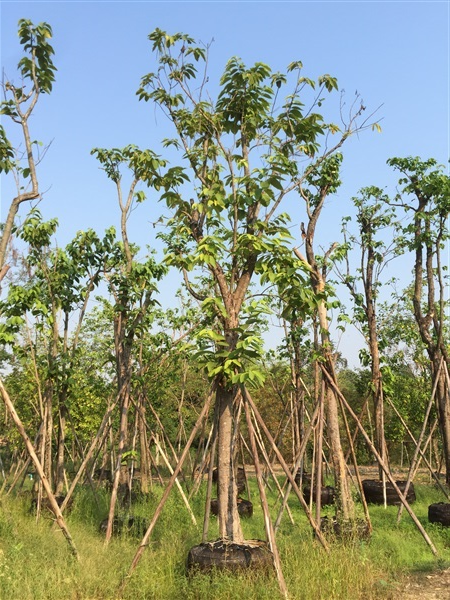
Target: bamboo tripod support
[286,469]
[416,459]
[145,539]
[270,533]
[421,452]
[88,455]
[54,505]
[382,463]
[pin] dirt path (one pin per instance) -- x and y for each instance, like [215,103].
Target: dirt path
[427,586]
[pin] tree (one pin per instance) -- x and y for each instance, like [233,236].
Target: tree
[373,216]
[57,291]
[241,156]
[37,70]
[318,184]
[425,195]
[132,285]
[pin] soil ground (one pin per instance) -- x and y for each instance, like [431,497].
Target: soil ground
[416,586]
[427,586]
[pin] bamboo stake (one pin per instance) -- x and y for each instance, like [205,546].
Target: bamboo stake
[87,457]
[2,469]
[163,429]
[355,433]
[265,471]
[155,466]
[59,517]
[297,463]
[383,465]
[145,539]
[154,463]
[197,474]
[426,461]
[267,520]
[287,471]
[201,445]
[22,470]
[82,451]
[318,452]
[212,455]
[274,477]
[241,450]
[355,467]
[177,483]
[21,466]
[414,459]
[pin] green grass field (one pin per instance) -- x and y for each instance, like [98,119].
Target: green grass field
[35,562]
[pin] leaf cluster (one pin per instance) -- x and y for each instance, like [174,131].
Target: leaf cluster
[38,66]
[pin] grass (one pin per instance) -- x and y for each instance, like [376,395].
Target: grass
[35,563]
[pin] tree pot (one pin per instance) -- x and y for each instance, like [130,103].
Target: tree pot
[373,492]
[439,513]
[136,526]
[240,479]
[46,505]
[229,556]
[245,507]
[327,494]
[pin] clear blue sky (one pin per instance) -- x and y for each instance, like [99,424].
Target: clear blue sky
[395,54]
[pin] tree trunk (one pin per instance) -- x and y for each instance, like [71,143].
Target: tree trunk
[48,434]
[144,449]
[430,326]
[345,508]
[123,370]
[59,478]
[443,406]
[377,385]
[229,522]
[377,396]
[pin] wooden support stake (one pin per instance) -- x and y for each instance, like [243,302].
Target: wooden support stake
[197,473]
[212,455]
[382,464]
[297,463]
[426,461]
[55,508]
[88,455]
[177,483]
[145,539]
[267,460]
[262,493]
[287,471]
[415,459]
[355,466]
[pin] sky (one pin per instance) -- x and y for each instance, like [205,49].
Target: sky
[394,54]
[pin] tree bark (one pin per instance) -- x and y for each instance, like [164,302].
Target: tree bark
[229,521]
[60,458]
[345,508]
[377,386]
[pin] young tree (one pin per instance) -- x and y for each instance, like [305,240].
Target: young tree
[37,72]
[373,216]
[317,186]
[241,155]
[425,195]
[132,285]
[57,291]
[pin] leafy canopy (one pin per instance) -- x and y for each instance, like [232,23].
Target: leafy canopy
[240,156]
